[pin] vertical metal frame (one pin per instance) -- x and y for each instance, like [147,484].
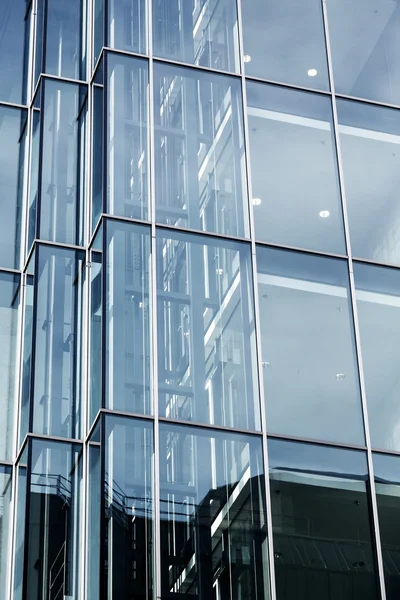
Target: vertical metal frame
[374,506]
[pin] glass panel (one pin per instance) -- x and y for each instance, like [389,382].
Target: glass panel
[58,342]
[98,154]
[213,522]
[127,317]
[9,304]
[95,325]
[198,32]
[309,361]
[5,516]
[321,523]
[54,508]
[62,162]
[387,486]
[284,41]
[129,514]
[94,519]
[12,160]
[34,178]
[13,50]
[20,525]
[98,29]
[127,114]
[206,341]
[296,196]
[199,151]
[127,25]
[59,48]
[369,142]
[378,307]
[27,354]
[365,44]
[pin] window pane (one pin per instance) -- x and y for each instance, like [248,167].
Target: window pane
[200,179]
[128,495]
[127,25]
[205,322]
[127,318]
[309,362]
[369,141]
[12,161]
[284,41]
[9,305]
[365,44]
[320,514]
[5,515]
[13,50]
[378,306]
[296,196]
[57,342]
[197,32]
[95,325]
[213,522]
[387,486]
[54,508]
[127,123]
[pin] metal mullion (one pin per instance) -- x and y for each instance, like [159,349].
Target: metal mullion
[374,506]
[261,394]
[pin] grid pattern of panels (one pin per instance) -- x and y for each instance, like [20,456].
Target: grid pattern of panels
[199,299]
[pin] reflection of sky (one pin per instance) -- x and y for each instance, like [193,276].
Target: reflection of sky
[12,37]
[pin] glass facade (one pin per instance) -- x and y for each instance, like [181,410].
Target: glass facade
[199,299]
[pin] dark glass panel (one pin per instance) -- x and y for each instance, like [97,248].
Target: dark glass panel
[5,522]
[14,47]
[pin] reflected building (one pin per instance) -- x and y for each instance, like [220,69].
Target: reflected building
[199,299]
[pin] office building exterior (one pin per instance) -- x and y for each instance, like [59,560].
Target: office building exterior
[199,299]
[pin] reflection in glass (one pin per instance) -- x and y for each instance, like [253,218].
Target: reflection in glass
[53,513]
[9,304]
[5,514]
[127,133]
[19,540]
[96,345]
[369,141]
[387,486]
[34,179]
[365,45]
[98,156]
[13,50]
[59,41]
[378,307]
[93,518]
[199,151]
[205,322]
[197,32]
[321,524]
[127,317]
[57,342]
[284,41]
[12,155]
[26,354]
[213,522]
[296,197]
[309,362]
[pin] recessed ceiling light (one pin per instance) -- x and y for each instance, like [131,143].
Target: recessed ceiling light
[247,58]
[340,376]
[256,201]
[312,72]
[324,214]
[219,271]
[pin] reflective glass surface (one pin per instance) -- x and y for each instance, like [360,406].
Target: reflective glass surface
[197,31]
[5,521]
[9,304]
[127,317]
[199,151]
[378,306]
[284,41]
[296,196]
[369,141]
[127,25]
[212,508]
[308,355]
[206,340]
[52,509]
[20,500]
[13,50]
[387,486]
[321,523]
[95,340]
[57,342]
[12,155]
[365,45]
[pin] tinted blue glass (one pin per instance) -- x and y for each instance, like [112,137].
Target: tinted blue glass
[323,543]
[284,41]
[365,46]
[5,522]
[212,509]
[13,50]
[307,342]
[206,339]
